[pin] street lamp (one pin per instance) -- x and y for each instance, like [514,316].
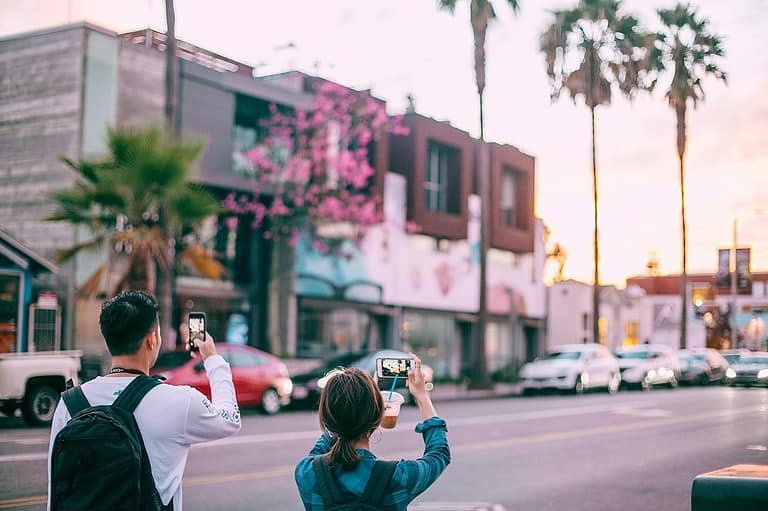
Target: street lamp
[734,274]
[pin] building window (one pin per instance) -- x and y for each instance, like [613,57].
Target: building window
[442,179]
[324,333]
[434,337]
[510,189]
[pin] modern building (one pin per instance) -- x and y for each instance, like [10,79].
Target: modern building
[398,289]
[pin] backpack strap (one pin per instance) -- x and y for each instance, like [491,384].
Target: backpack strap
[75,400]
[326,485]
[132,395]
[378,483]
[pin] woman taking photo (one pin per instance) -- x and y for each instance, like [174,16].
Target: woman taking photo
[341,472]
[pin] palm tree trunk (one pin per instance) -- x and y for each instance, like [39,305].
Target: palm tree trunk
[681,143]
[165,284]
[479,16]
[480,378]
[171,70]
[596,240]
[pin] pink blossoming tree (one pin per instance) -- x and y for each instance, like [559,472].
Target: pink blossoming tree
[313,169]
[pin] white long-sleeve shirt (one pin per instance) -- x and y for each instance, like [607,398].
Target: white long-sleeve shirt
[170,418]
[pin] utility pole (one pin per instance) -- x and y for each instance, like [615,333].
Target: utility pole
[734,283]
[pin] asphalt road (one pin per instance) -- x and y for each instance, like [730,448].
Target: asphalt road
[632,451]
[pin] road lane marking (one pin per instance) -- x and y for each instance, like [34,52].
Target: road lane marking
[599,430]
[31,456]
[469,447]
[407,427]
[23,502]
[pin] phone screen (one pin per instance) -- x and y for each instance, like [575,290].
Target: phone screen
[196,328]
[391,367]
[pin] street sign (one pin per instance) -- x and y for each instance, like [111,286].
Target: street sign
[743,272]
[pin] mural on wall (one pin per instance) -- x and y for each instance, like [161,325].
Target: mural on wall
[394,266]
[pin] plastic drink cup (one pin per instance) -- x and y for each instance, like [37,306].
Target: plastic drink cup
[392,403]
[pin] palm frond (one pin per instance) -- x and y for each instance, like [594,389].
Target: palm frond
[66,254]
[193,205]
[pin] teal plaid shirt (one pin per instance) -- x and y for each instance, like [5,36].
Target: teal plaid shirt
[410,479]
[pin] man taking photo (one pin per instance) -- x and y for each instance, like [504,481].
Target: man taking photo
[125,423]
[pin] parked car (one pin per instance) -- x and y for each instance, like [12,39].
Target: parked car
[733,356]
[702,366]
[307,385]
[648,365]
[34,382]
[572,367]
[260,379]
[751,369]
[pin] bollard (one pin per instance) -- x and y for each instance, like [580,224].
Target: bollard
[737,488]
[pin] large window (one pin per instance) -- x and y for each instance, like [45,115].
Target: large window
[434,338]
[510,216]
[219,249]
[324,333]
[442,179]
[9,312]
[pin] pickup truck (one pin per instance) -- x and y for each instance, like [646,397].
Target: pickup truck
[34,382]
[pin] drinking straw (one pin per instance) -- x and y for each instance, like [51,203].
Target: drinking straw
[389,398]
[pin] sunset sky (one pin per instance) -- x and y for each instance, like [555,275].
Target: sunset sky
[401,46]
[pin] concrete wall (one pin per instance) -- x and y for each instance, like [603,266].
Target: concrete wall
[40,111]
[141,85]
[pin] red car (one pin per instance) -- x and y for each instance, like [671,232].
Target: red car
[260,379]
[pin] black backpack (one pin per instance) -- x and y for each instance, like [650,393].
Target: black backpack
[98,460]
[372,496]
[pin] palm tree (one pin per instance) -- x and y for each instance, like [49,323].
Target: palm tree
[481,12]
[136,201]
[686,49]
[589,50]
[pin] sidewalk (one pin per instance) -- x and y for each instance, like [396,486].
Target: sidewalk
[444,392]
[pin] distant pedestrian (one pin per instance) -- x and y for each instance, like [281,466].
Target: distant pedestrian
[121,441]
[341,473]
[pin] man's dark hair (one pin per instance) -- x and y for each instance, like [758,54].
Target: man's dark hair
[126,320]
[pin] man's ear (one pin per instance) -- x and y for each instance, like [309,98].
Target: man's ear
[152,339]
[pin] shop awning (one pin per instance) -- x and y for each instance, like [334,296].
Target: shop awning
[22,256]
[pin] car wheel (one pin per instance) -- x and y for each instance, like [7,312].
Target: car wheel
[529,392]
[614,383]
[703,380]
[270,402]
[39,405]
[673,383]
[578,386]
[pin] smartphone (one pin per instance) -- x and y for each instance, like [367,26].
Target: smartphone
[196,329]
[391,367]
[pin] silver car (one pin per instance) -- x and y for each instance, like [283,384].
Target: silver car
[649,365]
[572,367]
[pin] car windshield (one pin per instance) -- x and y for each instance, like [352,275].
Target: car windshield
[561,355]
[632,355]
[732,357]
[172,359]
[754,360]
[693,356]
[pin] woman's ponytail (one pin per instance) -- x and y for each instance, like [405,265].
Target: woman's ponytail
[344,453]
[350,408]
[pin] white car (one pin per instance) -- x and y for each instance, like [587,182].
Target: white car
[572,367]
[648,365]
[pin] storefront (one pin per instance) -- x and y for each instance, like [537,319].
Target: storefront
[18,266]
